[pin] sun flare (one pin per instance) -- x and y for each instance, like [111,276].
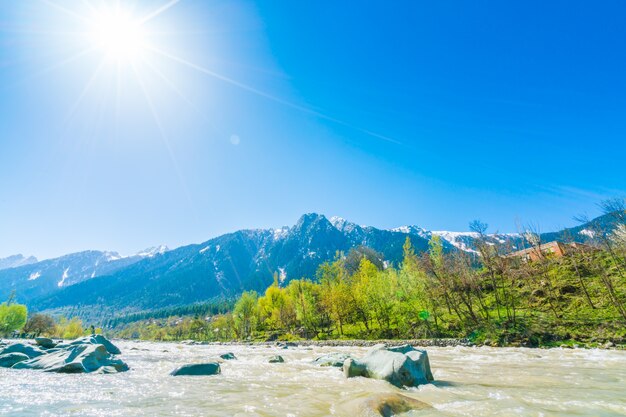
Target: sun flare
[118,34]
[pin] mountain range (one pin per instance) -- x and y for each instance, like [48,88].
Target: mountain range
[220,267]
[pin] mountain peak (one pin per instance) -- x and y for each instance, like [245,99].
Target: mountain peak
[343,225]
[152,251]
[14,261]
[310,218]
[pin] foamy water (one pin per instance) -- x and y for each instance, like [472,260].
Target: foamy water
[469,382]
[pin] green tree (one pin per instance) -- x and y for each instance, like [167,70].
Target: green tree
[12,317]
[246,314]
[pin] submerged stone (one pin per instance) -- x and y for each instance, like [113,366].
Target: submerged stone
[228,356]
[197,369]
[388,405]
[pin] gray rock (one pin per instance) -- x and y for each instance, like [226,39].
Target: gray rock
[7,360]
[332,359]
[81,358]
[401,366]
[45,342]
[97,339]
[228,356]
[28,350]
[197,369]
[276,359]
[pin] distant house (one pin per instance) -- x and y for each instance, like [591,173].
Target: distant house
[555,248]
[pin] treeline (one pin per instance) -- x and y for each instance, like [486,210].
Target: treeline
[16,322]
[212,308]
[489,296]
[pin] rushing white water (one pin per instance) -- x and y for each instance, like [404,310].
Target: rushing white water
[469,382]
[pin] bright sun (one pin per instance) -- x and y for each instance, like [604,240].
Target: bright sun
[118,34]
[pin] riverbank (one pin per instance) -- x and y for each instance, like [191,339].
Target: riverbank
[448,342]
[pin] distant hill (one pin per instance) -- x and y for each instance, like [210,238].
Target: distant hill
[34,279]
[16,260]
[224,266]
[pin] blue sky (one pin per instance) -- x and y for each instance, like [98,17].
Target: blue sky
[245,114]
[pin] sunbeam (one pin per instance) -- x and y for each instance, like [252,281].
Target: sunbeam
[270,96]
[157,12]
[84,91]
[165,140]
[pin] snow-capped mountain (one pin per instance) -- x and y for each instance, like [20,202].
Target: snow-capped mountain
[466,241]
[223,266]
[32,279]
[153,251]
[16,260]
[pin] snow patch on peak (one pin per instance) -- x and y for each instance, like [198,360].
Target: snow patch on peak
[280,233]
[34,276]
[337,221]
[63,277]
[412,230]
[454,238]
[153,251]
[343,225]
[587,232]
[110,256]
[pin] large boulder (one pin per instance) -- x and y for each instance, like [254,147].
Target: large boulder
[197,369]
[402,366]
[332,359]
[80,358]
[96,339]
[28,350]
[7,360]
[45,342]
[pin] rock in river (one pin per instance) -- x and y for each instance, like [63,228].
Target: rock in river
[80,358]
[228,356]
[45,343]
[388,405]
[402,366]
[96,339]
[87,354]
[7,360]
[276,359]
[196,369]
[28,350]
[332,359]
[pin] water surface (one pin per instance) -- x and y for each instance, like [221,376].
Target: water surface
[470,382]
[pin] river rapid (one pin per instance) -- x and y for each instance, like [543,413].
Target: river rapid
[469,382]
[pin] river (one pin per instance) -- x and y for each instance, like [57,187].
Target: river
[469,382]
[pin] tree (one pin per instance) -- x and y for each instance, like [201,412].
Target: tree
[277,308]
[12,317]
[69,329]
[355,255]
[246,314]
[39,324]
